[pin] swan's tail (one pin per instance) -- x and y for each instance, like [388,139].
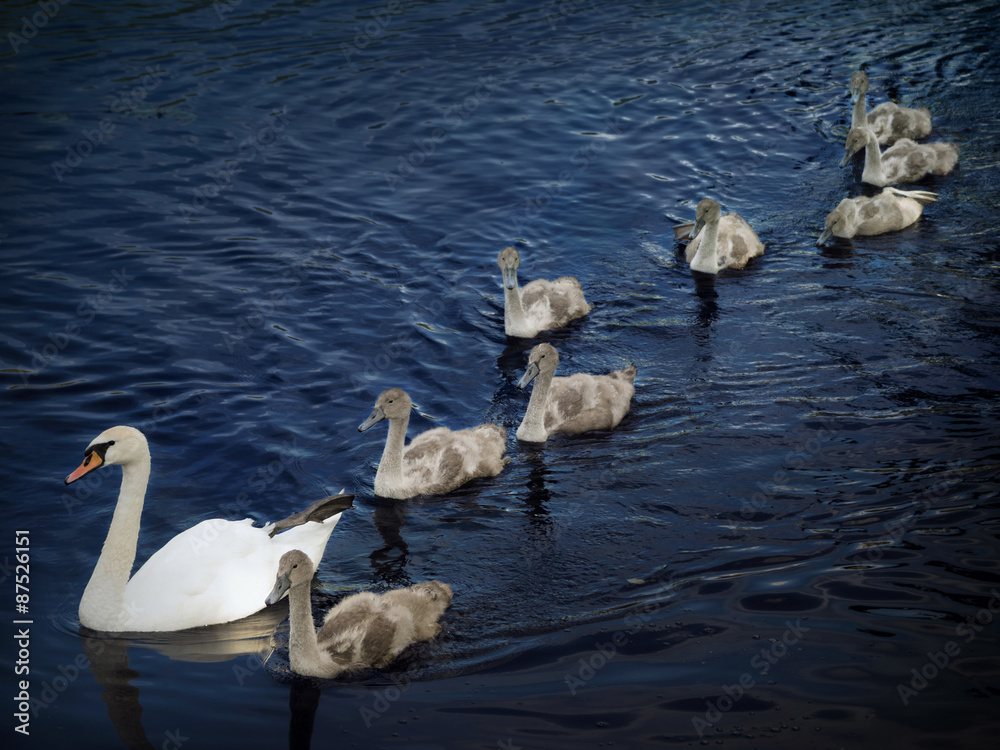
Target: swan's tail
[683,231]
[922,196]
[626,373]
[318,512]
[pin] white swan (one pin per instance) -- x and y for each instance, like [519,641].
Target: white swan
[217,571]
[541,304]
[436,461]
[888,121]
[578,403]
[363,630]
[903,162]
[726,242]
[889,211]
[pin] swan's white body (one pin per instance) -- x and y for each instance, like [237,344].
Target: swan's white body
[436,461]
[363,630]
[888,121]
[889,211]
[541,304]
[575,404]
[719,241]
[215,572]
[903,162]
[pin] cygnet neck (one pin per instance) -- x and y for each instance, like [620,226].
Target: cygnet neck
[859,115]
[532,427]
[390,468]
[873,173]
[303,646]
[513,311]
[706,259]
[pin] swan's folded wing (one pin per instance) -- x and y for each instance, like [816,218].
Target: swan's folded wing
[553,304]
[216,571]
[440,460]
[582,402]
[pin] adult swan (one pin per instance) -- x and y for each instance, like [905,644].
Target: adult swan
[217,571]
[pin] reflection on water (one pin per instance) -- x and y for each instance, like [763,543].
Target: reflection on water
[389,561]
[811,438]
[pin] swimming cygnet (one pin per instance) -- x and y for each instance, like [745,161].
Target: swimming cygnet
[718,241]
[541,304]
[578,403]
[889,211]
[906,161]
[363,630]
[888,121]
[436,461]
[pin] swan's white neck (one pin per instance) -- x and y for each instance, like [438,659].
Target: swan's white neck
[390,469]
[303,647]
[514,321]
[873,173]
[103,606]
[532,427]
[706,259]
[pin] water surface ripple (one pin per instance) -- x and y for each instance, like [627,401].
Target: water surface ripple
[293,206]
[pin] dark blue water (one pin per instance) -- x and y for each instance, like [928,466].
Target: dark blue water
[233,224]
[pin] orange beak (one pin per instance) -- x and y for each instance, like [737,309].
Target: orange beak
[90,462]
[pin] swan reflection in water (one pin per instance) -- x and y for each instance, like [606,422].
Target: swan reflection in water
[249,643]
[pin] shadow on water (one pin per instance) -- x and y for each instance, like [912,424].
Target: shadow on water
[389,561]
[708,305]
[303,700]
[109,665]
[538,495]
[108,660]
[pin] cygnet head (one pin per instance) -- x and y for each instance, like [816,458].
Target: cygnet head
[117,445]
[857,139]
[859,85]
[708,211]
[509,260]
[836,224]
[391,404]
[294,568]
[434,591]
[543,359]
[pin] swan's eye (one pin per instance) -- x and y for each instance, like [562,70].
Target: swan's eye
[110,443]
